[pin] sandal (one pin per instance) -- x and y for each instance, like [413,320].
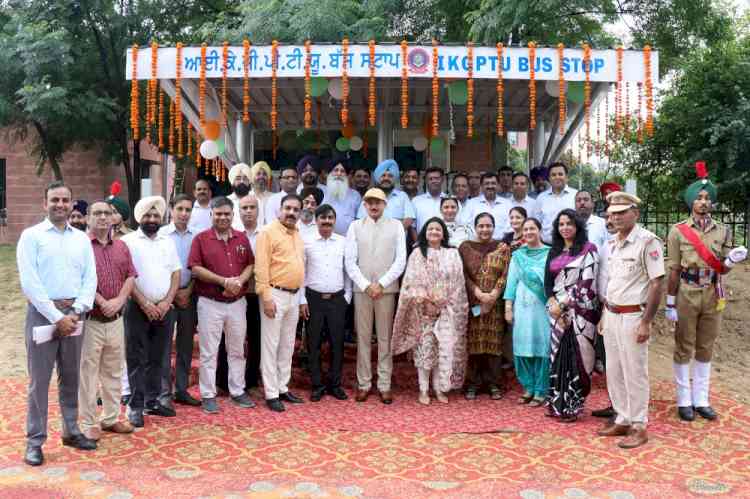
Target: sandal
[440,396]
[471,394]
[525,398]
[496,393]
[424,398]
[536,402]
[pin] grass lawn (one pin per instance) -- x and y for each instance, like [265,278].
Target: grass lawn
[13,313]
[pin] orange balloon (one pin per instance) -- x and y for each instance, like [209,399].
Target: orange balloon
[348,131]
[212,130]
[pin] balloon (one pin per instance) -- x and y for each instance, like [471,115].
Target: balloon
[437,146]
[220,145]
[211,130]
[348,131]
[318,86]
[336,89]
[458,92]
[420,144]
[342,144]
[355,143]
[209,149]
[575,91]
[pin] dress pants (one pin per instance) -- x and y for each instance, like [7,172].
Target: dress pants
[382,311]
[40,360]
[144,345]
[484,370]
[185,321]
[101,364]
[252,349]
[215,317]
[277,343]
[330,311]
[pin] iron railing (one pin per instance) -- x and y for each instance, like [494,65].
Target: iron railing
[659,222]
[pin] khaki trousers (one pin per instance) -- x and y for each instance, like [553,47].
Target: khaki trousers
[277,342]
[215,317]
[627,368]
[698,324]
[101,363]
[382,311]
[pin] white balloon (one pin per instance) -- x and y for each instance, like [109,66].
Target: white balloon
[420,144]
[336,89]
[553,87]
[209,149]
[355,143]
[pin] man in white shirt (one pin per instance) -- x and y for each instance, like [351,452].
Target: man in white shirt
[596,227]
[505,182]
[239,177]
[328,292]
[489,202]
[200,217]
[520,195]
[475,183]
[552,201]
[375,259]
[149,317]
[312,197]
[460,189]
[427,205]
[288,181]
[538,176]
[344,200]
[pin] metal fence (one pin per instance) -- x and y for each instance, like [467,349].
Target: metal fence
[659,222]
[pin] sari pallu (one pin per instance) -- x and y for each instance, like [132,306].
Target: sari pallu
[438,278]
[573,335]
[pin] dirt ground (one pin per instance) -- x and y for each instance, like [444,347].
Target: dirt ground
[731,355]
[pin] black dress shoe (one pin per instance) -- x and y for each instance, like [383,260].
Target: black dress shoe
[338,393]
[136,418]
[317,394]
[79,442]
[185,398]
[604,413]
[33,456]
[275,405]
[706,412]
[686,413]
[160,410]
[291,398]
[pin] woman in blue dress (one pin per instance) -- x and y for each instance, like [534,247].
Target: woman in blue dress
[525,307]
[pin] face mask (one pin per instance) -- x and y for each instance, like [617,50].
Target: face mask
[150,228]
[241,190]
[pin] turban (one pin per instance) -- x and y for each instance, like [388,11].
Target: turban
[339,159]
[121,206]
[260,165]
[607,187]
[144,206]
[387,165]
[703,184]
[538,172]
[237,169]
[316,193]
[81,206]
[308,159]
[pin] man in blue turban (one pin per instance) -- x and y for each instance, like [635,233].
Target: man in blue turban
[398,205]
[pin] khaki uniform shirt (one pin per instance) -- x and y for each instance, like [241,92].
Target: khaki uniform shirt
[628,265]
[682,254]
[121,231]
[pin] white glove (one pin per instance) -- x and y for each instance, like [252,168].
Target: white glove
[671,312]
[735,256]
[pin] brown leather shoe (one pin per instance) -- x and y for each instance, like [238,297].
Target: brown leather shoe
[386,397]
[93,433]
[119,427]
[362,395]
[614,430]
[636,438]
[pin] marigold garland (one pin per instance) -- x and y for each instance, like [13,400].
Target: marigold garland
[627,107]
[202,89]
[500,92]
[152,90]
[224,82]
[404,85]
[372,96]
[274,143]
[562,102]
[308,87]
[178,98]
[161,118]
[618,92]
[470,91]
[135,124]
[587,95]
[639,131]
[606,123]
[171,127]
[435,90]
[198,153]
[649,91]
[189,140]
[345,82]
[274,89]
[532,86]
[245,81]
[598,144]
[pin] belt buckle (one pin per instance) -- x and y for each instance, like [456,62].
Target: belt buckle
[326,296]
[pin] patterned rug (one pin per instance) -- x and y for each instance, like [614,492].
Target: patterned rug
[463,449]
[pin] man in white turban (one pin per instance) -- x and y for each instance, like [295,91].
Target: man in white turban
[239,177]
[148,315]
[260,174]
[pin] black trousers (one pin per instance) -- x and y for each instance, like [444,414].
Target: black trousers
[252,349]
[330,312]
[145,342]
[484,370]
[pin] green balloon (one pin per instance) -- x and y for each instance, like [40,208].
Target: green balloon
[220,145]
[458,93]
[318,86]
[575,91]
[437,146]
[342,144]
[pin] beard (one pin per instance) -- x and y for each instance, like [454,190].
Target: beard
[241,190]
[337,187]
[80,226]
[150,228]
[307,215]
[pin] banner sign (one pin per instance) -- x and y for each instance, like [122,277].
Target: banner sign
[327,61]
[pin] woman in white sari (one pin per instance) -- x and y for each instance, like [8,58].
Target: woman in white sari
[457,232]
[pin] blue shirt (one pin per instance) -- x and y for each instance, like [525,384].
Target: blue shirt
[55,265]
[398,206]
[346,210]
[182,242]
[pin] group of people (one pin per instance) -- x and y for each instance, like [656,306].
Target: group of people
[466,281]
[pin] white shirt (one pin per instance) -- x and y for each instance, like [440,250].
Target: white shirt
[324,266]
[307,231]
[498,209]
[426,207]
[252,236]
[200,218]
[155,260]
[527,203]
[236,220]
[549,204]
[352,255]
[346,210]
[596,228]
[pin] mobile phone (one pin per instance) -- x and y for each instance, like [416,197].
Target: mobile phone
[476,310]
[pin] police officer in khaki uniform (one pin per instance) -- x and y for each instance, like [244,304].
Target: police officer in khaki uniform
[631,273]
[700,252]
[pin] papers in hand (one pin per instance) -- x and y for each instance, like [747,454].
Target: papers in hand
[43,334]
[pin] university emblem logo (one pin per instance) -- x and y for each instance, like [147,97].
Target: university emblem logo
[418,61]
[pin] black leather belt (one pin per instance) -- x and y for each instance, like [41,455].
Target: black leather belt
[326,296]
[288,290]
[102,317]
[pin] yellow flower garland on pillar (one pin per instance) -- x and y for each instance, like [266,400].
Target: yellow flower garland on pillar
[371,94]
[308,87]
[470,92]
[532,86]
[135,124]
[404,85]
[245,81]
[435,90]
[649,91]
[500,123]
[345,82]
[274,90]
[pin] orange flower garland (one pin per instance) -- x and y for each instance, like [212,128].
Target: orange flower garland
[639,132]
[308,87]
[404,85]
[500,91]
[606,123]
[245,81]
[274,143]
[160,137]
[470,92]
[198,153]
[618,92]
[202,89]
[562,102]
[627,108]
[224,82]
[171,127]
[189,140]
[435,90]
[587,95]
[372,96]
[649,91]
[178,98]
[532,86]
[152,90]
[598,144]
[274,90]
[135,124]
[345,82]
